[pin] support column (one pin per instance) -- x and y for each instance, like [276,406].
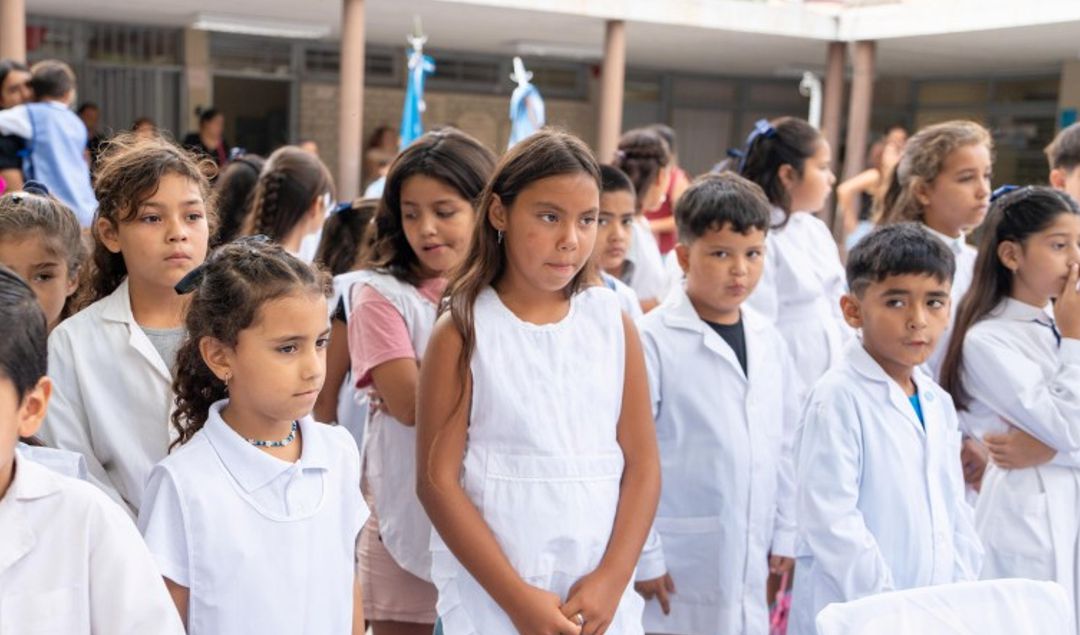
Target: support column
[13,30]
[862,97]
[612,87]
[198,78]
[831,123]
[351,107]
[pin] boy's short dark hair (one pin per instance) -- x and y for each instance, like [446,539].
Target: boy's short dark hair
[23,353]
[612,179]
[897,250]
[1064,151]
[52,79]
[715,200]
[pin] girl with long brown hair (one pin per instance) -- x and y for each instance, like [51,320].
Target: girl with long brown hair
[537,458]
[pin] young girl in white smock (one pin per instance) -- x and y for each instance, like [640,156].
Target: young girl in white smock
[537,457]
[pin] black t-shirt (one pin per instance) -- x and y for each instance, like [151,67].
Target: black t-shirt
[735,337]
[10,145]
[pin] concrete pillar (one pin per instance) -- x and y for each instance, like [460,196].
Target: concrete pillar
[13,30]
[862,97]
[198,77]
[351,108]
[831,121]
[612,87]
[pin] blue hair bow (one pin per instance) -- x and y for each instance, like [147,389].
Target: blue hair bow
[762,128]
[35,187]
[1002,191]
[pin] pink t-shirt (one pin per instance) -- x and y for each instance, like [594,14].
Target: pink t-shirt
[377,331]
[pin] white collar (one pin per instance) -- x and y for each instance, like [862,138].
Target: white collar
[955,244]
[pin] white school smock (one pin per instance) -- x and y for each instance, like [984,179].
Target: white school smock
[390,446]
[542,463]
[800,292]
[352,404]
[879,499]
[727,474]
[628,300]
[646,275]
[63,462]
[1017,375]
[965,256]
[72,563]
[112,397]
[263,546]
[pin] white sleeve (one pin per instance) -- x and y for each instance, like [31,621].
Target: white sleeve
[164,526]
[651,564]
[828,474]
[967,547]
[16,121]
[793,394]
[127,594]
[1012,385]
[67,424]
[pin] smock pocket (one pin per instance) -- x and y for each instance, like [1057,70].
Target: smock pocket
[55,612]
[551,515]
[693,554]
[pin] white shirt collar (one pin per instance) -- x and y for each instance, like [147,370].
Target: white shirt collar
[250,466]
[1011,309]
[955,244]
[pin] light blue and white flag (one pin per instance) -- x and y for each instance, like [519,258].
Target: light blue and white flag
[412,116]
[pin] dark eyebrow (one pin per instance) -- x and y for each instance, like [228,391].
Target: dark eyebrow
[156,205]
[557,208]
[46,265]
[896,292]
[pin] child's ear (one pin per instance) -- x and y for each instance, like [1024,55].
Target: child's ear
[789,176]
[72,282]
[497,213]
[218,357]
[34,406]
[921,190]
[108,234]
[849,305]
[1009,253]
[1057,178]
[682,254]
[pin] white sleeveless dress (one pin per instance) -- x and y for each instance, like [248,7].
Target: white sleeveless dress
[542,463]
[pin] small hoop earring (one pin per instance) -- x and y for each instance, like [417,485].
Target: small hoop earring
[499,236]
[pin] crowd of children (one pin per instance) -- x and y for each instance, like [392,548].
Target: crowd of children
[533,394]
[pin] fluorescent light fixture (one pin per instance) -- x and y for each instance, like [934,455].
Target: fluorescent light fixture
[572,51]
[268,27]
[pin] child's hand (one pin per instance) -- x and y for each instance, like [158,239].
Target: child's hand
[780,565]
[1017,449]
[973,460]
[594,600]
[660,588]
[537,612]
[1067,306]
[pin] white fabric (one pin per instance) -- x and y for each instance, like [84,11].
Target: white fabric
[112,399]
[352,403]
[1017,375]
[16,121]
[880,499]
[390,447]
[71,464]
[999,607]
[647,276]
[726,467]
[71,562]
[628,300]
[800,291]
[263,545]
[542,462]
[965,256]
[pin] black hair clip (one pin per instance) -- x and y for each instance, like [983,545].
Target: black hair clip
[1002,191]
[35,187]
[762,128]
[190,280]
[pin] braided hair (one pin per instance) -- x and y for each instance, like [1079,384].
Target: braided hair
[642,154]
[291,181]
[236,281]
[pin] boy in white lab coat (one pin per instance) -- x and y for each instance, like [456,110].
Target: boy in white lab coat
[71,561]
[725,443]
[880,496]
